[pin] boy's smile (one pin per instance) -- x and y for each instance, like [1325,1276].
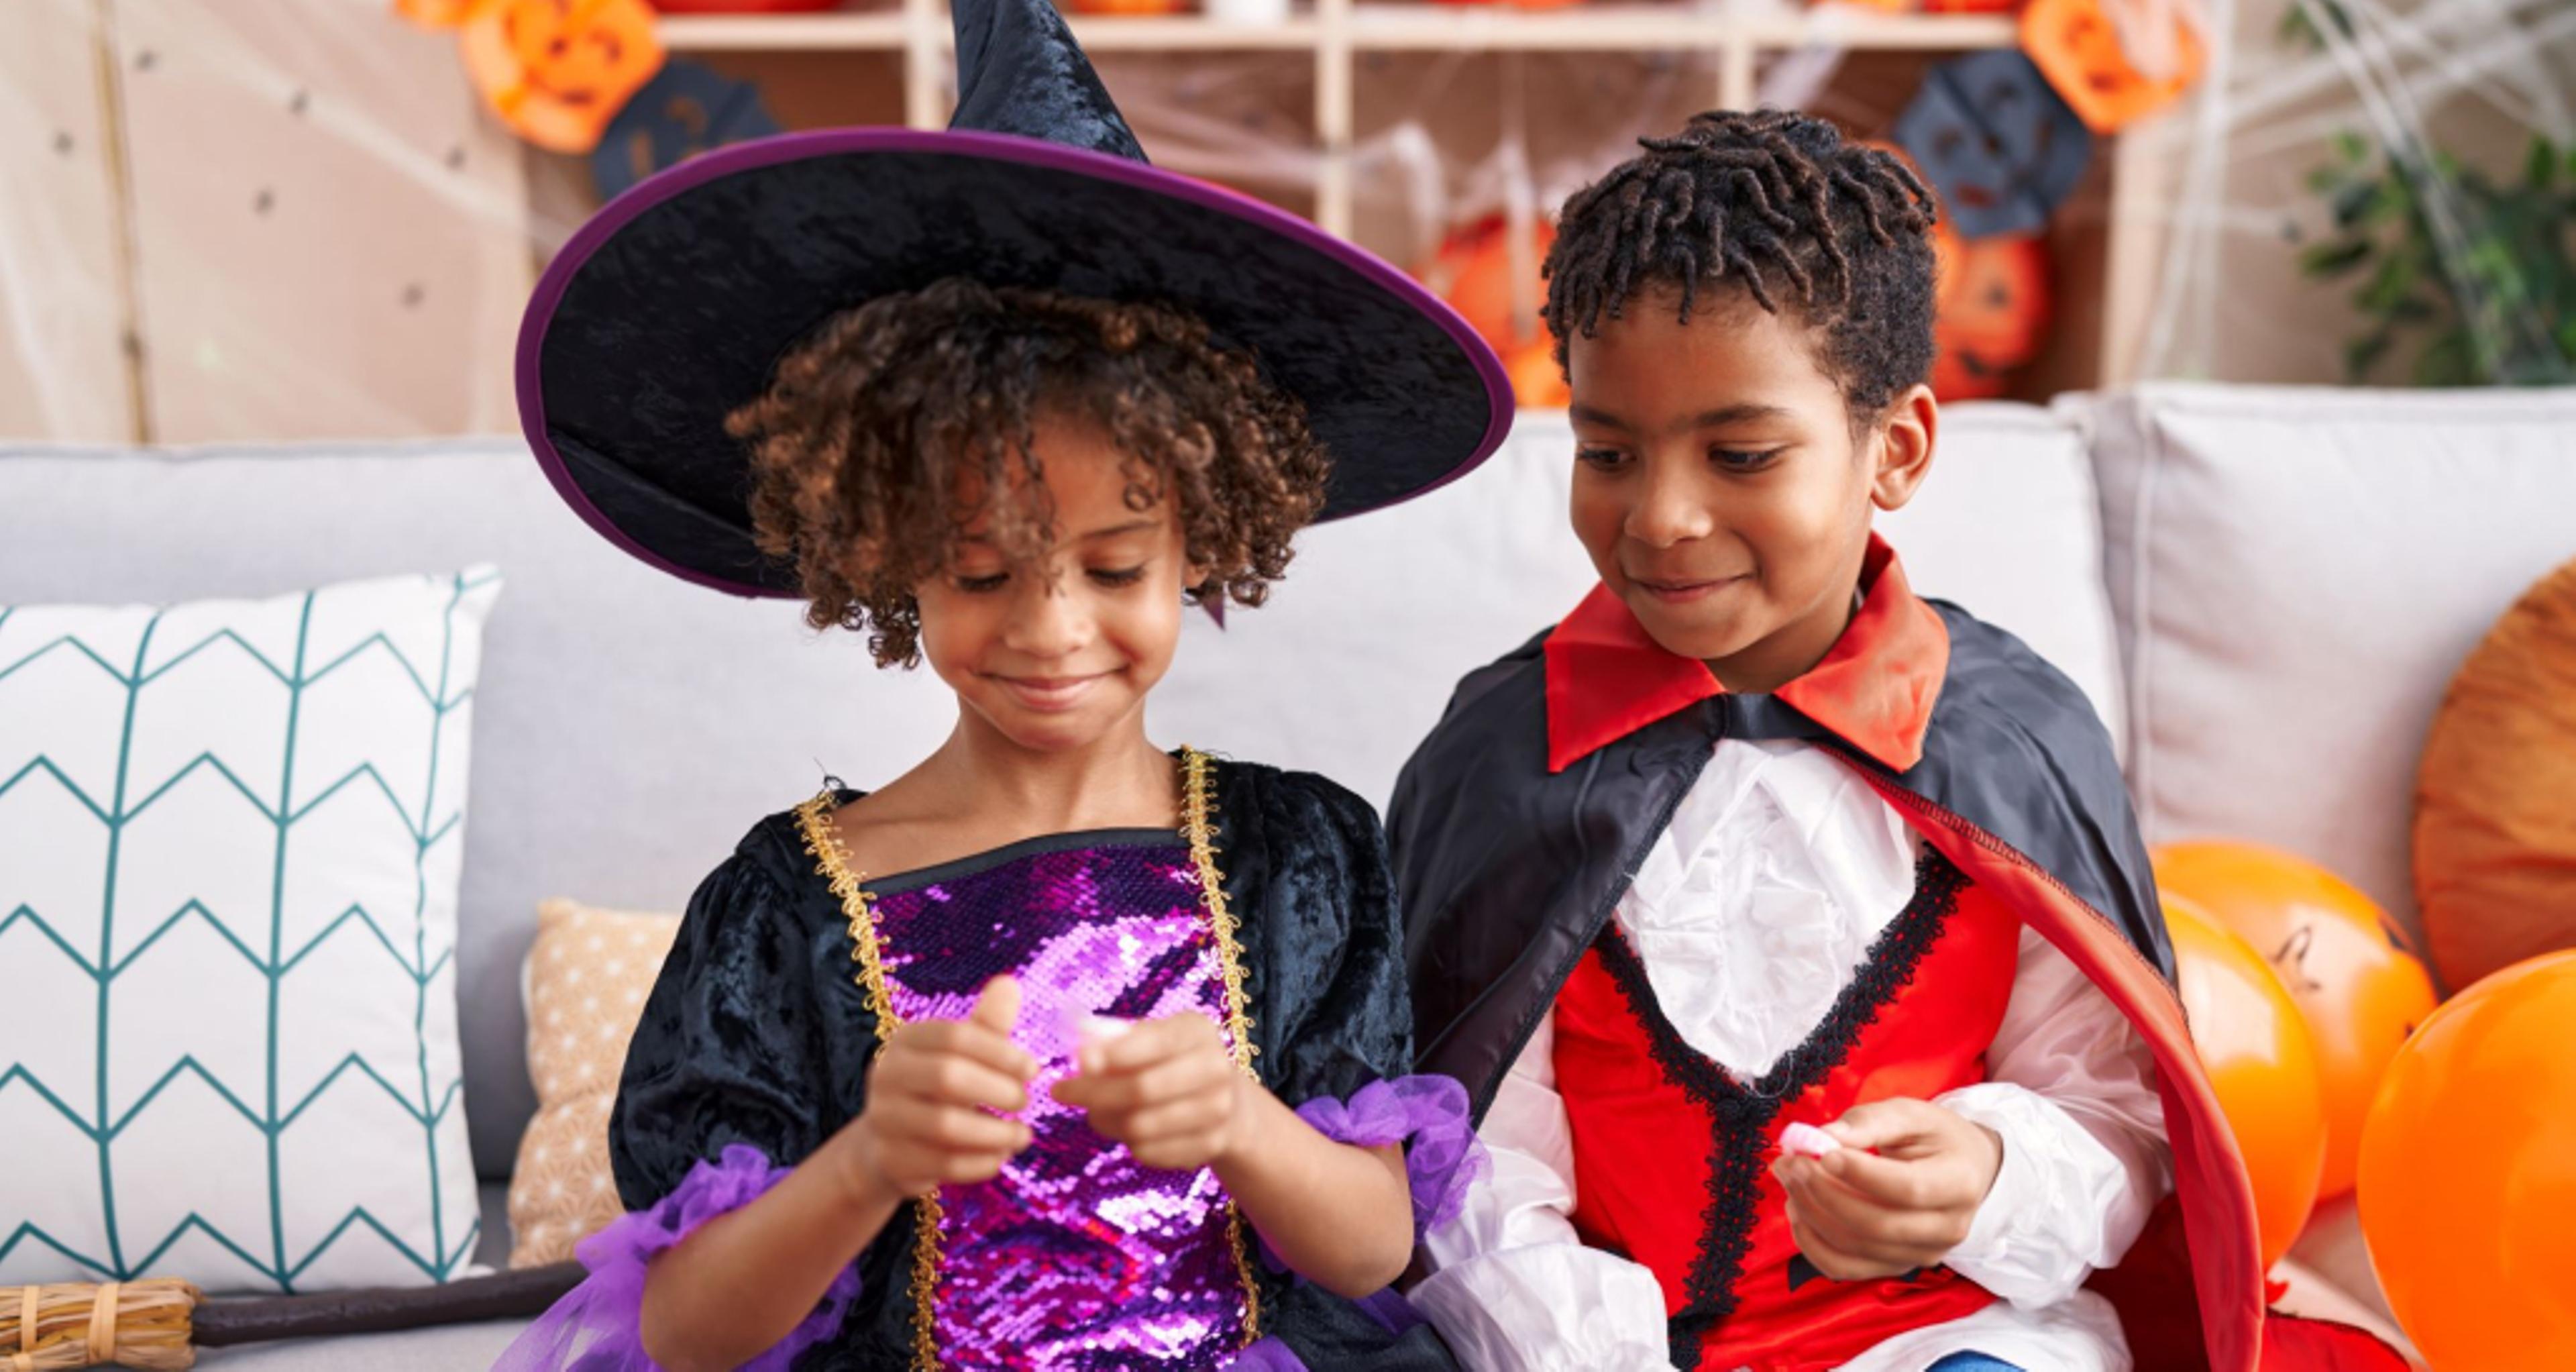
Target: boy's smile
[1723,488]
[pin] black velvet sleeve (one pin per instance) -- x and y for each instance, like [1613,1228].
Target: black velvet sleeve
[1306,867]
[1306,870]
[729,1049]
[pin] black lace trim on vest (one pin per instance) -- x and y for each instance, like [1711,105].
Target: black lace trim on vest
[1743,1113]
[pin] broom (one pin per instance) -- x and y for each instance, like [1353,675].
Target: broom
[157,1325]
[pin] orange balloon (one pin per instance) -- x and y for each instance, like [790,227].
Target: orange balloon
[2255,1049]
[2352,971]
[2468,1175]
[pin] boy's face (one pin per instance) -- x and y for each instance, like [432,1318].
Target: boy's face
[1719,486]
[1057,652]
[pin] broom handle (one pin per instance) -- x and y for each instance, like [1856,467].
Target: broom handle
[502,1295]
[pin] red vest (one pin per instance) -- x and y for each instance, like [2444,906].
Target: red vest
[1672,1154]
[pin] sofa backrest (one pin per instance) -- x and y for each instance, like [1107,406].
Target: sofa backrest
[2296,573]
[630,727]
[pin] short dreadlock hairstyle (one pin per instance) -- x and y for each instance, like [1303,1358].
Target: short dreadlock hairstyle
[874,427]
[1768,203]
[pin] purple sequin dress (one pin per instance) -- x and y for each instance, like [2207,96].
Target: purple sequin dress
[1074,1259]
[1075,1256]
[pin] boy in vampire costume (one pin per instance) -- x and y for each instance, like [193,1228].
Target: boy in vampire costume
[1791,933]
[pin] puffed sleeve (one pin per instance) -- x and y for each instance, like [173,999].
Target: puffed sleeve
[731,1048]
[727,1088]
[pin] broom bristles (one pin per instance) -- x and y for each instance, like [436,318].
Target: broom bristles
[143,1324]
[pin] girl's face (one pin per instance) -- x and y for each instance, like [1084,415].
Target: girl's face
[1719,487]
[1056,653]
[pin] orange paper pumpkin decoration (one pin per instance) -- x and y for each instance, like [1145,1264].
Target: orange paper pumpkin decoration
[1473,272]
[1993,312]
[2255,1049]
[1537,382]
[2076,44]
[2468,1175]
[557,71]
[2357,981]
[1970,6]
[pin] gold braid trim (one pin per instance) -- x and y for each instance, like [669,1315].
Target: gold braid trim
[832,861]
[1198,825]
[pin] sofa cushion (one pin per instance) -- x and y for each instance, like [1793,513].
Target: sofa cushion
[230,839]
[585,983]
[2295,574]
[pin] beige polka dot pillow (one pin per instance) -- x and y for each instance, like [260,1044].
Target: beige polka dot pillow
[585,984]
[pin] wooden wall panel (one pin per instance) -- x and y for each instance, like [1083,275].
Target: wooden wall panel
[63,375]
[331,236]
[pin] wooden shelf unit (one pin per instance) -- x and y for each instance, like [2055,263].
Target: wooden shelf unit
[1731,41]
[1337,31]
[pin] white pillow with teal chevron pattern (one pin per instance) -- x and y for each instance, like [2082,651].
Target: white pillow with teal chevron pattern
[230,837]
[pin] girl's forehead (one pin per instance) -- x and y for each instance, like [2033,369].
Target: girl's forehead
[1079,492]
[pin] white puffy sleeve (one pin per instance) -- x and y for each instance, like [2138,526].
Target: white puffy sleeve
[1512,1287]
[2071,1091]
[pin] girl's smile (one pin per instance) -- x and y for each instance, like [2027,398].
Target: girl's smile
[1057,650]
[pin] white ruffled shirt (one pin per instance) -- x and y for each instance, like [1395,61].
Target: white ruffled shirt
[1755,908]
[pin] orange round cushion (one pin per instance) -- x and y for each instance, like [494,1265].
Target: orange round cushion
[2495,801]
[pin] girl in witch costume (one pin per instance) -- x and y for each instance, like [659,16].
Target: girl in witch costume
[1792,934]
[1059,1051]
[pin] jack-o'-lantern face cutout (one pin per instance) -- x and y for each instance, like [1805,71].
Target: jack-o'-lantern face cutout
[685,111]
[557,71]
[1995,141]
[2111,74]
[1994,312]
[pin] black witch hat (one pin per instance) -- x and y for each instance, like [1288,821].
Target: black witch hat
[669,309]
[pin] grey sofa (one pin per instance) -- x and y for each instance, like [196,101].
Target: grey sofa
[2264,591]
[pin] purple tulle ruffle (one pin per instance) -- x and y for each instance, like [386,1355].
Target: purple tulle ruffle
[597,1326]
[1428,1115]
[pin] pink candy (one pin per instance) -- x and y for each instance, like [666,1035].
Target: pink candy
[1809,1140]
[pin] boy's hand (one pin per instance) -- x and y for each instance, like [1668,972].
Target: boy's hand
[932,1098]
[1859,1215]
[1166,1088]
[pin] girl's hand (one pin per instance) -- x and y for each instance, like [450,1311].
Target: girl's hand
[933,1098]
[1167,1089]
[1859,1215]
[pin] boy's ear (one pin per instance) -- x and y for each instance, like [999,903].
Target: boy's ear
[1902,447]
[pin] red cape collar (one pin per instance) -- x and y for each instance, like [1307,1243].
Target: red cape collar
[1607,678]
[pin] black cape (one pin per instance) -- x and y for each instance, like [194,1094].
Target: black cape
[1507,872]
[758,1033]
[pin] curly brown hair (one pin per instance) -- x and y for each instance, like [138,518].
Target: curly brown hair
[879,428]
